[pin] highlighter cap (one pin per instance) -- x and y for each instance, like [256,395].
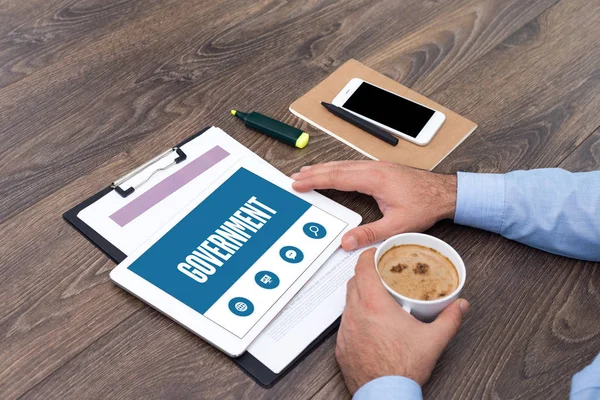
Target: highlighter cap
[302,140]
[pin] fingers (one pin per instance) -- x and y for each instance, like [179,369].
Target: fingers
[339,179]
[347,164]
[368,234]
[363,177]
[352,301]
[447,324]
[351,292]
[368,282]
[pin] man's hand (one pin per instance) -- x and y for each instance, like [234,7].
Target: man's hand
[411,200]
[378,338]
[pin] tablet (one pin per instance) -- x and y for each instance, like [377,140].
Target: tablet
[236,255]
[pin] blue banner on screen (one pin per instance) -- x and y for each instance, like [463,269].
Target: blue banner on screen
[217,242]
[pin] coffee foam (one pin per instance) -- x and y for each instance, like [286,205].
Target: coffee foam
[418,272]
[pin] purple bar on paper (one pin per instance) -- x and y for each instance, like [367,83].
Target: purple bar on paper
[168,186]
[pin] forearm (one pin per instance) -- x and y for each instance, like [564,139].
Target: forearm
[550,209]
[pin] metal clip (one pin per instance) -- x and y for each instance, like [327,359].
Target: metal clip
[116,185]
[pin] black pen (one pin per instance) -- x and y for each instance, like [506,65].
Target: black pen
[357,121]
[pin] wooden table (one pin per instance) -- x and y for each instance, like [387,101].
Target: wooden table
[90,89]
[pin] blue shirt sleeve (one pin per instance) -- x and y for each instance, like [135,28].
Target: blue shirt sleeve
[550,209]
[389,388]
[586,383]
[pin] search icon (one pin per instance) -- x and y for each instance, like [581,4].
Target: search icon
[314,230]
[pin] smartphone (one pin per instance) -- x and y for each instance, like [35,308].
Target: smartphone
[402,117]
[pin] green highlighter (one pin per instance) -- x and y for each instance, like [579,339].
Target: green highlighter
[276,129]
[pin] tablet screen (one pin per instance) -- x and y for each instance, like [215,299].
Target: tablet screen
[236,253]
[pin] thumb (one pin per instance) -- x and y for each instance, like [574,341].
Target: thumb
[446,324]
[366,235]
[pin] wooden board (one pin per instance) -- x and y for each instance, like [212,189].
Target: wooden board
[454,130]
[90,89]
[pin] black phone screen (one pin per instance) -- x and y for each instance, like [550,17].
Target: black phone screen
[389,109]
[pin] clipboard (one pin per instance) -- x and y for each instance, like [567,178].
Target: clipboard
[253,367]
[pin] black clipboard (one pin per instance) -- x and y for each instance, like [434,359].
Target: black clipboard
[256,370]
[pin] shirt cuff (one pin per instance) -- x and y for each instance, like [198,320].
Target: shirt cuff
[480,201]
[389,387]
[588,379]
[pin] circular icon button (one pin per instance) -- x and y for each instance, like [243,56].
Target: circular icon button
[266,279]
[314,230]
[291,254]
[241,306]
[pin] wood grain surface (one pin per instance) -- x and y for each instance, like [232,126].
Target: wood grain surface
[91,88]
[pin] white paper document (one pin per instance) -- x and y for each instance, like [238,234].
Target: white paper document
[129,222]
[319,303]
